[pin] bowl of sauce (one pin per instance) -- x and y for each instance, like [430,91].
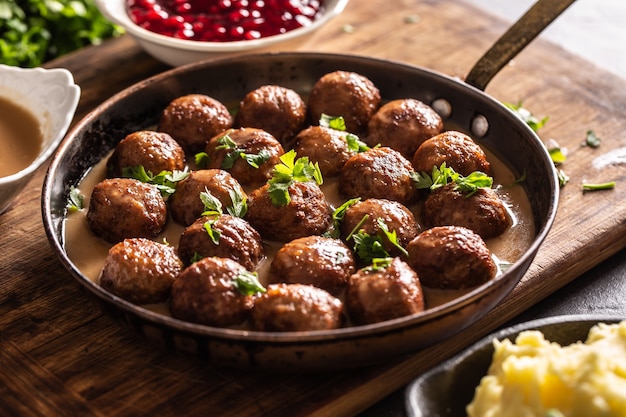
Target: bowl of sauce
[37,106]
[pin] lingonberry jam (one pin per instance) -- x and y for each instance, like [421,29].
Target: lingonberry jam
[223,20]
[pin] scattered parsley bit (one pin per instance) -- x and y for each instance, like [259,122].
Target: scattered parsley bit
[443,175]
[592,140]
[247,283]
[598,187]
[254,160]
[556,153]
[165,181]
[289,171]
[563,177]
[524,114]
[195,258]
[212,205]
[379,264]
[202,160]
[338,214]
[239,206]
[76,200]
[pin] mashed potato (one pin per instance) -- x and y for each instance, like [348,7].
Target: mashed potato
[535,378]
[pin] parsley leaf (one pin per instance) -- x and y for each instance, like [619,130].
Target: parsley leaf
[369,247]
[247,283]
[76,200]
[201,159]
[239,206]
[379,264]
[214,234]
[339,123]
[254,160]
[338,214]
[592,140]
[443,175]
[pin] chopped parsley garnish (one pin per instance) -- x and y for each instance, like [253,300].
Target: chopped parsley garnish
[338,123]
[214,234]
[379,264]
[443,175]
[338,214]
[165,181]
[212,205]
[291,170]
[247,283]
[201,159]
[533,122]
[563,177]
[239,206]
[235,153]
[76,200]
[368,247]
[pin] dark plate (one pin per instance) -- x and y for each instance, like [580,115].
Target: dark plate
[447,389]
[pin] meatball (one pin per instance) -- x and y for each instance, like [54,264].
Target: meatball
[483,212]
[194,119]
[456,149]
[378,173]
[231,237]
[185,204]
[155,151]
[225,152]
[366,214]
[308,212]
[346,94]
[451,257]
[403,125]
[121,208]
[277,110]
[205,293]
[384,293]
[325,146]
[295,308]
[140,270]
[315,260]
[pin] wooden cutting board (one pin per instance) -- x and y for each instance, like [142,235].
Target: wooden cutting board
[59,355]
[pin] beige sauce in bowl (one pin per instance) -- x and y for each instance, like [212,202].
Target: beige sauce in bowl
[20,137]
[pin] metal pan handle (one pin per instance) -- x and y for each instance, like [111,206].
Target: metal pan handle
[531,24]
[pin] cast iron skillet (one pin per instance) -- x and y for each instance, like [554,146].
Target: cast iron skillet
[464,105]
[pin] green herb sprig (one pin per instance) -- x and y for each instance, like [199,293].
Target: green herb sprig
[165,181]
[247,283]
[442,175]
[291,170]
[75,201]
[530,119]
[368,247]
[338,123]
[338,215]
[235,153]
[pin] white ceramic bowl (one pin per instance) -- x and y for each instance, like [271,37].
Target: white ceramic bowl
[176,52]
[51,96]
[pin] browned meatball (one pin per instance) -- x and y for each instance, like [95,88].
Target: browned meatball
[194,119]
[454,148]
[121,208]
[483,212]
[205,293]
[378,173]
[308,212]
[250,141]
[315,260]
[233,238]
[296,308]
[346,94]
[403,125]
[325,146]
[155,151]
[185,204]
[366,214]
[384,293]
[275,109]
[140,270]
[451,257]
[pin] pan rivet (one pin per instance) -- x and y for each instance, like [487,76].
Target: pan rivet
[480,126]
[442,107]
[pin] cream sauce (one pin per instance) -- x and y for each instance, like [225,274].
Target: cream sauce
[88,252]
[20,137]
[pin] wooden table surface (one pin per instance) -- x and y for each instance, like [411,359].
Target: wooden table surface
[60,356]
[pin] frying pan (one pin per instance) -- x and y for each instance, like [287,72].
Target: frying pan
[462,103]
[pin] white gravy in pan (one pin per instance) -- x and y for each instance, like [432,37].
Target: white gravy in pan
[88,252]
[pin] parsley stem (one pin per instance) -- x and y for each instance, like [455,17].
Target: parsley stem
[600,186]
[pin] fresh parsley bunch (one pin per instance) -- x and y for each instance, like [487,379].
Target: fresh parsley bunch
[35,31]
